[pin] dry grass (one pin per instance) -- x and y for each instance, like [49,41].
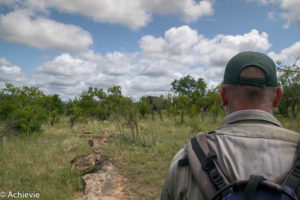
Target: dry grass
[40,163]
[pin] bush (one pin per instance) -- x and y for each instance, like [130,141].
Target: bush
[29,118]
[26,109]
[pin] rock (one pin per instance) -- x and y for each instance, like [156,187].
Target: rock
[104,184]
[96,143]
[91,142]
[88,163]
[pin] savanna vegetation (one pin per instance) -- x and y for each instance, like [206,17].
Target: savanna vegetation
[39,134]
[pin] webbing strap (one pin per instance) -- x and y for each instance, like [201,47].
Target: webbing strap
[251,187]
[198,151]
[293,179]
[208,165]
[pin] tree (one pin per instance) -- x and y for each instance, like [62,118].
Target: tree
[188,95]
[214,102]
[188,86]
[22,108]
[115,101]
[55,107]
[143,106]
[289,77]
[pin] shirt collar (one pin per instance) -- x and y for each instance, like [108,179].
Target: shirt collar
[251,115]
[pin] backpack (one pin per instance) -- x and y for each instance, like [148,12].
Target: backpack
[202,162]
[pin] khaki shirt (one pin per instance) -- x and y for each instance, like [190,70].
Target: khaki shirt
[249,142]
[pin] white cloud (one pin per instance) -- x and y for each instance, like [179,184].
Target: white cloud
[176,45]
[134,13]
[65,74]
[292,7]
[118,64]
[69,75]
[145,86]
[10,73]
[183,45]
[183,51]
[3,61]
[23,28]
[249,41]
[287,55]
[180,52]
[188,10]
[291,11]
[131,13]
[10,69]
[113,63]
[65,65]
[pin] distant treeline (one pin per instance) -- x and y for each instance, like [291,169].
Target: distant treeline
[25,109]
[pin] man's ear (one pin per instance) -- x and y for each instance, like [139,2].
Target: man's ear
[278,96]
[224,96]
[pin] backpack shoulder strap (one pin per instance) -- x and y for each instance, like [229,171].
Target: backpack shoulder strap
[203,166]
[293,179]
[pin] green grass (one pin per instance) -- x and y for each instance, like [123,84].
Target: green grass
[146,167]
[41,162]
[293,124]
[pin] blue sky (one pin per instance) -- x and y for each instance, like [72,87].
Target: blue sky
[66,46]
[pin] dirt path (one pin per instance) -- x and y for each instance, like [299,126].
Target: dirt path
[105,183]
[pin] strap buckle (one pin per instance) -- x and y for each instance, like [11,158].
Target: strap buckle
[209,161]
[217,178]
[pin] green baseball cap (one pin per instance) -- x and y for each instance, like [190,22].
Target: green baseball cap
[249,58]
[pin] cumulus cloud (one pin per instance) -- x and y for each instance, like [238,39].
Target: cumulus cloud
[184,45]
[188,10]
[65,74]
[68,75]
[10,73]
[291,11]
[24,28]
[181,51]
[176,45]
[134,13]
[288,55]
[65,65]
[3,61]
[145,85]
[131,13]
[292,7]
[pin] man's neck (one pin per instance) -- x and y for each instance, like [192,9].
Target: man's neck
[230,110]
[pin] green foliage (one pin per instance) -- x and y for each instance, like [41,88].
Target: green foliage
[90,103]
[29,118]
[97,104]
[289,77]
[54,106]
[214,102]
[41,163]
[192,98]
[188,86]
[23,108]
[144,107]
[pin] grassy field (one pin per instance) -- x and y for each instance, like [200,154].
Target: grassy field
[41,162]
